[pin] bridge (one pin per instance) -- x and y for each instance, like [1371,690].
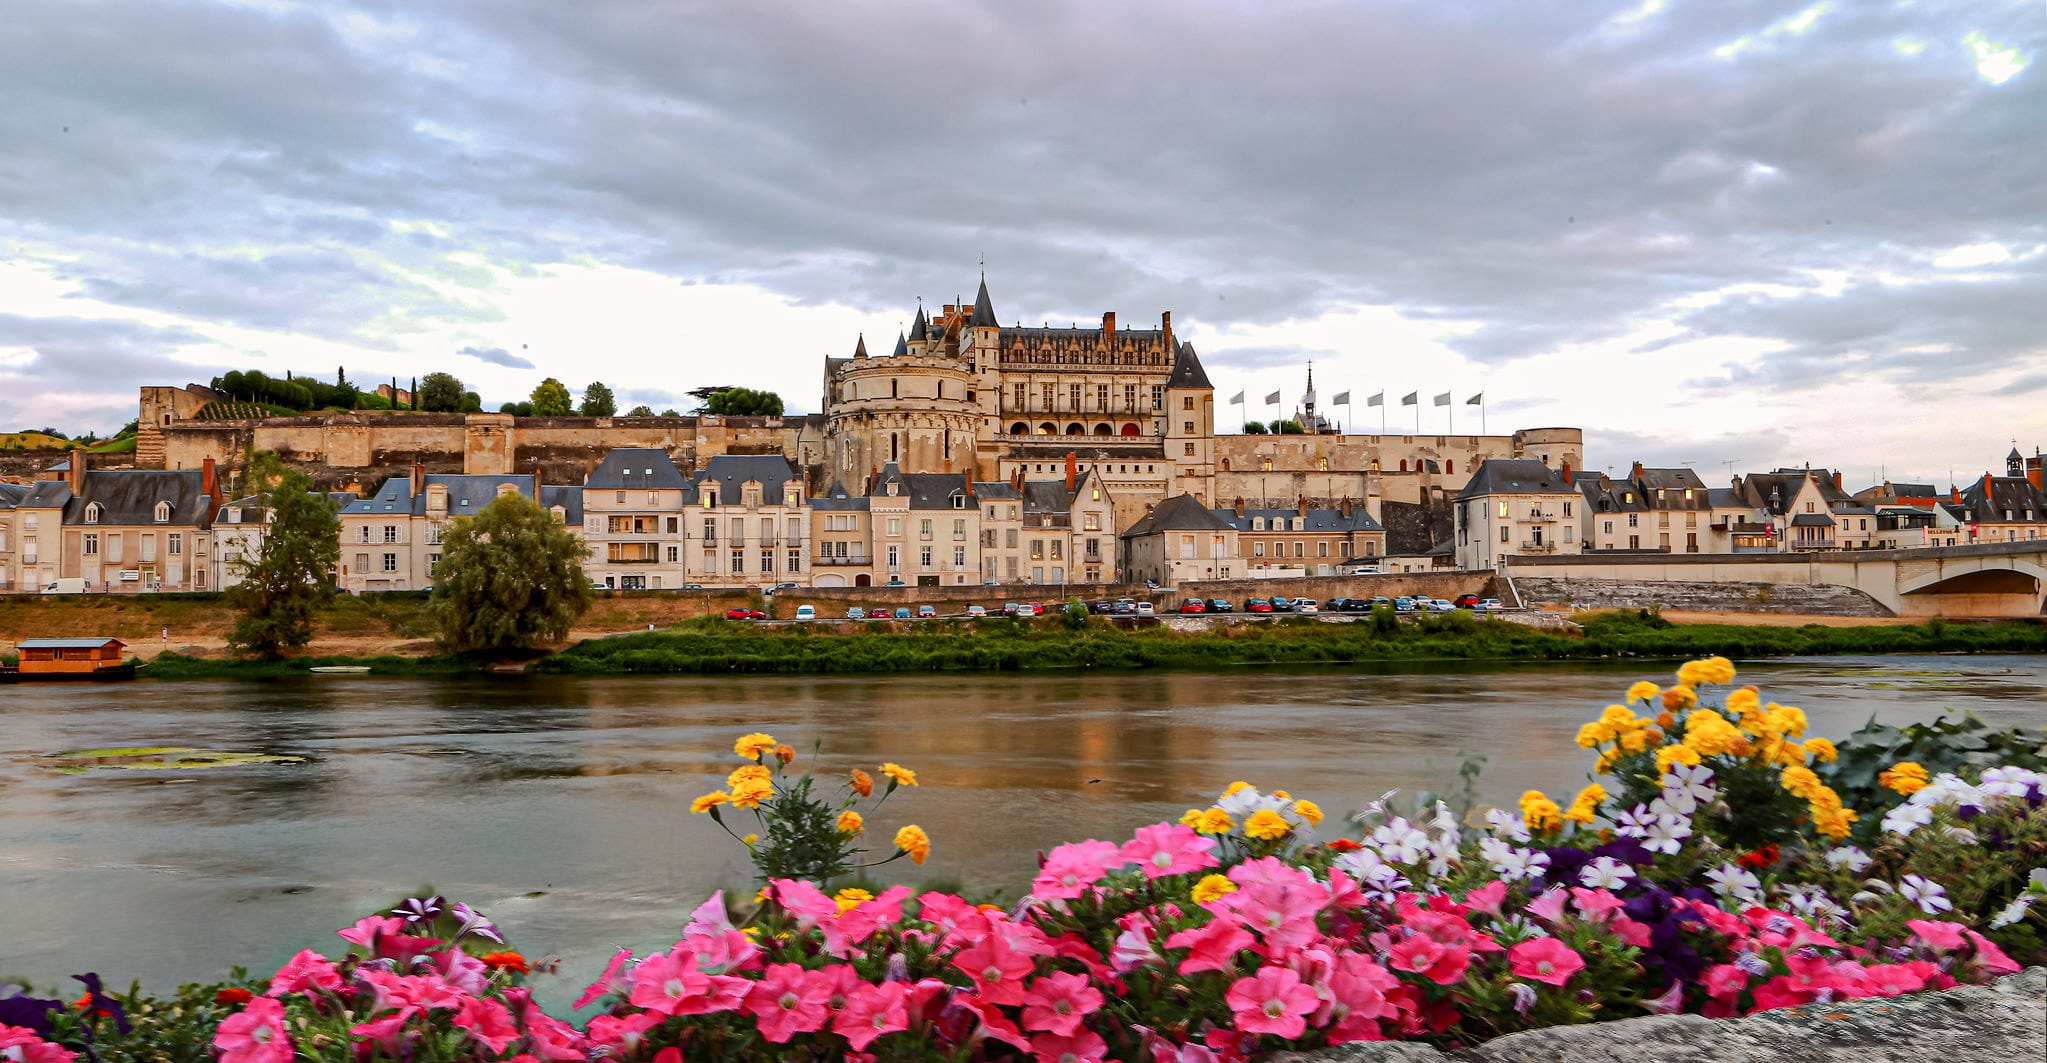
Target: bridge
[1980,580]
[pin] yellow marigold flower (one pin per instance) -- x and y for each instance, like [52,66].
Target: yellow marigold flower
[1309,811]
[1906,777]
[1212,886]
[1282,795]
[1676,754]
[1693,673]
[863,783]
[1191,818]
[1821,750]
[1709,732]
[1593,794]
[1265,824]
[1591,735]
[750,839]
[1799,781]
[1680,698]
[752,746]
[1605,763]
[751,794]
[850,898]
[752,774]
[1643,691]
[1234,787]
[898,774]
[1541,813]
[851,823]
[1790,753]
[913,840]
[709,801]
[1578,813]
[785,753]
[1216,821]
[1634,741]
[1787,721]
[1618,718]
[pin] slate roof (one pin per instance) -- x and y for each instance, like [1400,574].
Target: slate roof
[920,329]
[2005,493]
[1812,520]
[732,471]
[836,499]
[129,496]
[1726,497]
[925,490]
[1187,371]
[10,494]
[636,468]
[45,494]
[570,499]
[984,308]
[902,347]
[1178,513]
[1757,487]
[1513,476]
[468,493]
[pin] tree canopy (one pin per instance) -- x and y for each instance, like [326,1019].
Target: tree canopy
[640,411]
[598,401]
[744,402]
[440,393]
[1254,428]
[509,576]
[284,581]
[551,399]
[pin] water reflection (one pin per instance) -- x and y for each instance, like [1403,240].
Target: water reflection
[560,805]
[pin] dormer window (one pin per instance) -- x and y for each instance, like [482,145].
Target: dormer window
[437,499]
[960,502]
[163,513]
[92,513]
[710,497]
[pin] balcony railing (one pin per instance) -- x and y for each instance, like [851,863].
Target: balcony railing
[1532,547]
[1542,516]
[835,561]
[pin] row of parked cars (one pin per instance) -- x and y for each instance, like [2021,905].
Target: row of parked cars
[1403,605]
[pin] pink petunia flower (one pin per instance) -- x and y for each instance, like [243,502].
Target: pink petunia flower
[622,1034]
[1213,947]
[611,981]
[1544,960]
[997,970]
[305,971]
[1273,1001]
[1080,1047]
[1072,868]
[367,929]
[1596,905]
[1487,898]
[1991,960]
[1058,1003]
[789,1000]
[387,1033]
[871,1011]
[1943,936]
[255,1034]
[27,1046]
[674,986]
[1425,956]
[1164,849]
[1891,979]
[488,1022]
[1725,980]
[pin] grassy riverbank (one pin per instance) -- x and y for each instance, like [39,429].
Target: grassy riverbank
[1005,645]
[174,665]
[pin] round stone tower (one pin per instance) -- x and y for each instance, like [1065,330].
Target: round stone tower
[916,408]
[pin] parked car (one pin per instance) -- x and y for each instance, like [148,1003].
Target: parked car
[902,612]
[780,587]
[877,612]
[1365,570]
[692,586]
[1379,600]
[595,585]
[1404,604]
[743,613]
[975,612]
[1145,609]
[1193,605]
[926,612]
[1440,605]
[1490,604]
[1100,606]
[1124,607]
[1282,604]
[806,612]
[1364,605]
[1465,601]
[895,583]
[1257,605]
[1307,605]
[1220,605]
[856,613]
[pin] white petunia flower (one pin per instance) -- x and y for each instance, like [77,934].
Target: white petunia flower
[1728,880]
[1674,803]
[1931,896]
[1667,834]
[2013,912]
[1907,818]
[1506,824]
[1695,782]
[1605,873]
[1849,857]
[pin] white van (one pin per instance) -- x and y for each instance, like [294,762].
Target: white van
[1365,570]
[67,585]
[806,612]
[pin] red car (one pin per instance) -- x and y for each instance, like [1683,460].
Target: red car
[743,613]
[1194,605]
[1465,601]
[1258,605]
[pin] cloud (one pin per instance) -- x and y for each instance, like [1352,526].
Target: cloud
[496,356]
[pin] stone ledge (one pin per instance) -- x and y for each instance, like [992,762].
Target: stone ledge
[2003,1022]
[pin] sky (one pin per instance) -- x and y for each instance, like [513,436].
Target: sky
[1722,233]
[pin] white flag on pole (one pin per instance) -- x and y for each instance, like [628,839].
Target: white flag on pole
[1376,400]
[1272,399]
[1239,397]
[1476,400]
[1443,399]
[1342,399]
[1410,398]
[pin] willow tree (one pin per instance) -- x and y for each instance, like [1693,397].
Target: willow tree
[509,577]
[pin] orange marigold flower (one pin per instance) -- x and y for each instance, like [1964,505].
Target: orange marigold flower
[863,783]
[232,996]
[785,753]
[1665,720]
[709,801]
[753,745]
[914,841]
[1344,845]
[505,961]
[850,822]
[1679,698]
[898,774]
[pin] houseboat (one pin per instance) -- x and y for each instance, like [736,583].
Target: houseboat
[45,659]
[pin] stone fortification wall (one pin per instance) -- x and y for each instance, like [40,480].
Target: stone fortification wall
[1699,597]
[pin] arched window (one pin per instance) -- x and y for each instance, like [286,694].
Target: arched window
[163,512]
[92,513]
[1403,465]
[1131,431]
[1104,430]
[891,446]
[1076,429]
[1048,429]
[892,388]
[1019,429]
[1449,467]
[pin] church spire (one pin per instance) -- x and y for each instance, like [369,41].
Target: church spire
[984,308]
[920,329]
[860,349]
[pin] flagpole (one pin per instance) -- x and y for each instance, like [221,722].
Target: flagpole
[1452,407]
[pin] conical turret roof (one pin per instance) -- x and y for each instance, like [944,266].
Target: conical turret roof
[984,307]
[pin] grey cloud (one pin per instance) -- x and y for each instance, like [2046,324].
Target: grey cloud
[1263,357]
[1757,451]
[497,356]
[2024,385]
[66,381]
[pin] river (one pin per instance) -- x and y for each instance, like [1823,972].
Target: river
[559,806]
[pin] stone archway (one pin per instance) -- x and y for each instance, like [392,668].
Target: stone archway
[1131,431]
[863,580]
[1103,429]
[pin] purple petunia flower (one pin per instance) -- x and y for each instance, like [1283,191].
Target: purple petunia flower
[473,922]
[420,909]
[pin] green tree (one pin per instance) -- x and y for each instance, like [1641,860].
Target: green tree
[517,409]
[642,410]
[472,402]
[1254,428]
[283,583]
[745,402]
[671,412]
[551,399]
[597,401]
[509,576]
[440,393]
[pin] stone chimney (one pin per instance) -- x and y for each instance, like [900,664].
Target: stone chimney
[209,485]
[1072,471]
[1954,494]
[419,480]
[1345,508]
[1166,326]
[1109,326]
[1240,505]
[1986,488]
[1301,503]
[77,474]
[1837,481]
[1567,474]
[1634,473]
[2033,473]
